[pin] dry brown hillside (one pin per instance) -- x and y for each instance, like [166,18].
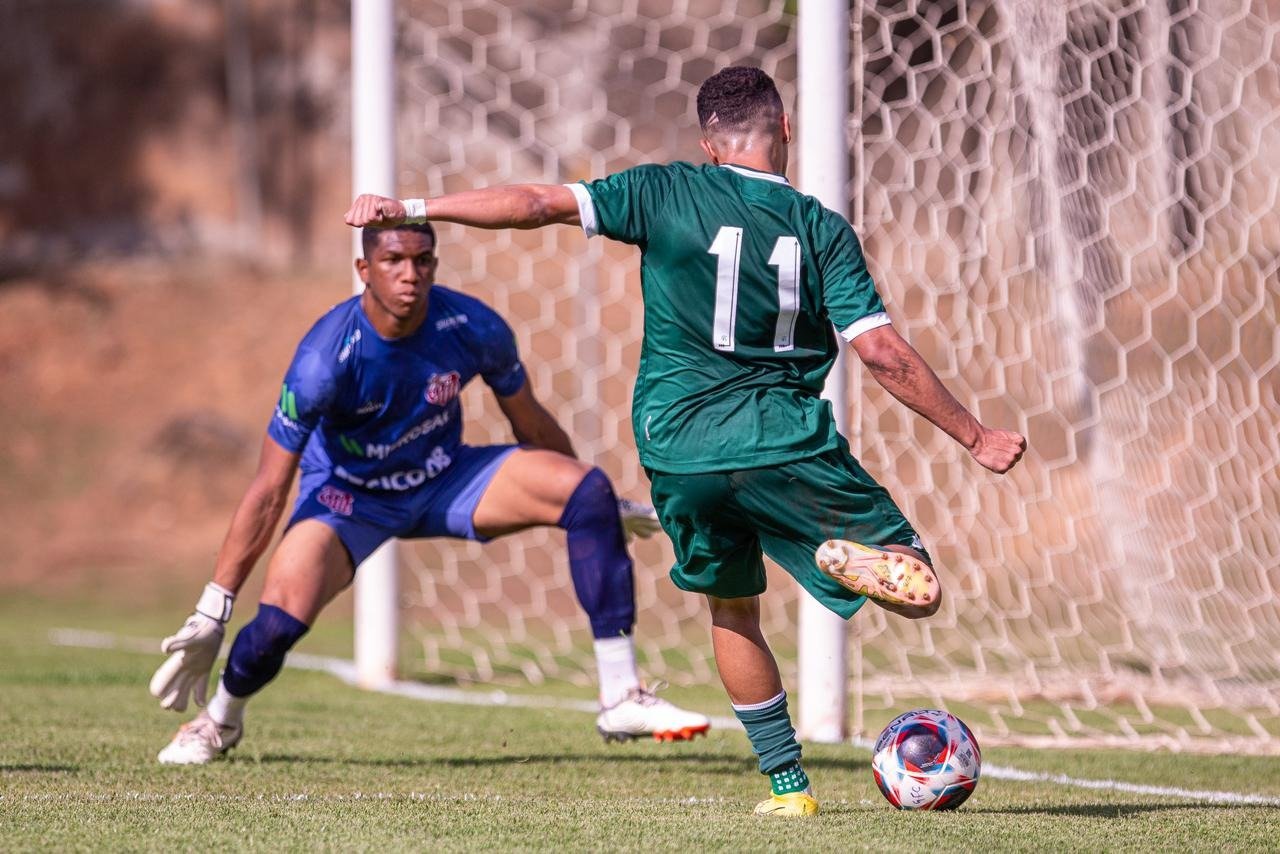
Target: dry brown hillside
[167,127]
[133,393]
[132,402]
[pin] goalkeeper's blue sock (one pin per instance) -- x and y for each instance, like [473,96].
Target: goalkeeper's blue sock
[259,650]
[773,740]
[598,559]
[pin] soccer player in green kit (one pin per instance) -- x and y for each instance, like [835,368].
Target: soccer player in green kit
[743,278]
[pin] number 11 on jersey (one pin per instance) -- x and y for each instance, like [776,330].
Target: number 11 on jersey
[727,247]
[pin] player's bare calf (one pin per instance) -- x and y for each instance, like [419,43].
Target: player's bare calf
[900,582]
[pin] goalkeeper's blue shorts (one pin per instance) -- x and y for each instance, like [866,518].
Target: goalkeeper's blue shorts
[408,505]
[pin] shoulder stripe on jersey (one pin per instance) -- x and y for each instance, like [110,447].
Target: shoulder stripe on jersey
[751,173]
[865,324]
[586,209]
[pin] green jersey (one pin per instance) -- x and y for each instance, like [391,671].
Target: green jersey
[742,278]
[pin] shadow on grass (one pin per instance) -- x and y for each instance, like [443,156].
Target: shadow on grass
[36,768]
[1113,810]
[709,762]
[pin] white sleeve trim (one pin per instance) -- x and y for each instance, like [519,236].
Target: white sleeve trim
[586,209]
[865,324]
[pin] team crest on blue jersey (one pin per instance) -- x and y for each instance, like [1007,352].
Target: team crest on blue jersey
[442,388]
[336,500]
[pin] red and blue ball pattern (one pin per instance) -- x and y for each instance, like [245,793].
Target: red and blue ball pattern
[926,759]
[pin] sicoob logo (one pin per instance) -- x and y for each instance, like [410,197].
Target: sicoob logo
[442,388]
[336,500]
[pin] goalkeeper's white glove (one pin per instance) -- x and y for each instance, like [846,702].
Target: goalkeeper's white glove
[192,651]
[638,520]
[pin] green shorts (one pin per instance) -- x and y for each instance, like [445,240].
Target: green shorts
[720,522]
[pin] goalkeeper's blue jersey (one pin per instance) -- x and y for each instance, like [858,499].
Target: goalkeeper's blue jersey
[384,415]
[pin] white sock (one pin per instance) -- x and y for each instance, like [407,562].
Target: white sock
[226,708]
[616,661]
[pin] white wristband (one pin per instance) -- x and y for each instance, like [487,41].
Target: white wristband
[215,602]
[415,211]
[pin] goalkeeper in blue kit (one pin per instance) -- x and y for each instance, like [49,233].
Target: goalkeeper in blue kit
[743,278]
[370,412]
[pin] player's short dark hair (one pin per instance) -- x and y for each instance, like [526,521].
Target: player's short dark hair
[738,98]
[369,236]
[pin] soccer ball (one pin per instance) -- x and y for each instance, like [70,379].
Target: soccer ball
[926,759]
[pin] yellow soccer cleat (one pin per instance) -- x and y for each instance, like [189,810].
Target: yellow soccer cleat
[790,805]
[889,577]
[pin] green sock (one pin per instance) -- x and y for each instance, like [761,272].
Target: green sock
[789,779]
[773,739]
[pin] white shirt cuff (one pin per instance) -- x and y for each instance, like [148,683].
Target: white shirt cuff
[865,324]
[586,208]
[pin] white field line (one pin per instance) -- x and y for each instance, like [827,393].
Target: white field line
[310,797]
[345,671]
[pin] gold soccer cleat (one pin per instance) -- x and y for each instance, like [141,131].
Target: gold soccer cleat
[889,577]
[790,805]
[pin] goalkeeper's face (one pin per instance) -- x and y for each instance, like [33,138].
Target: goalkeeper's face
[399,272]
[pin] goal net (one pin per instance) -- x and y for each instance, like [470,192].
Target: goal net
[1072,210]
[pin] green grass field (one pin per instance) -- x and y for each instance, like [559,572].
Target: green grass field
[324,766]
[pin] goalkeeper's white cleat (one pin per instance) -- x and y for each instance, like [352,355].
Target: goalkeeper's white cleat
[643,714]
[890,577]
[200,740]
[638,520]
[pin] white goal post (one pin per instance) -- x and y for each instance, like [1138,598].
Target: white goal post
[822,45]
[373,170]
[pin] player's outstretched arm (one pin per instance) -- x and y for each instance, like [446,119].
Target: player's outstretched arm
[257,515]
[511,206]
[194,647]
[904,373]
[533,425]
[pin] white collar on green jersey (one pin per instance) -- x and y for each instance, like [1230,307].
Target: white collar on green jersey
[752,173]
